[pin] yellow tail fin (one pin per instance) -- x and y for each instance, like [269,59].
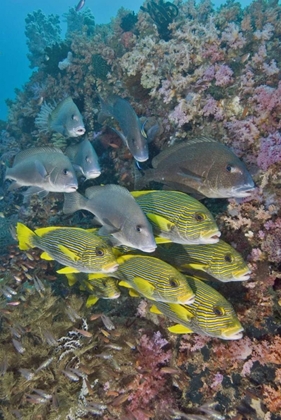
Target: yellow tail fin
[25,236]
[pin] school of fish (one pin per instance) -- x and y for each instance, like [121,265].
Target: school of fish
[177,230]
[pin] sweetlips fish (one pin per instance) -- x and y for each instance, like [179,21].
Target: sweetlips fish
[118,213]
[44,169]
[154,279]
[177,217]
[210,314]
[100,287]
[219,260]
[78,249]
[132,132]
[64,118]
[201,166]
[84,159]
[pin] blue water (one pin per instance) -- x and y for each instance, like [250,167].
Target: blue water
[14,65]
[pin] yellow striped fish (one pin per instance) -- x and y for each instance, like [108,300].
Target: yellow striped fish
[78,249]
[100,287]
[219,260]
[178,217]
[154,279]
[210,314]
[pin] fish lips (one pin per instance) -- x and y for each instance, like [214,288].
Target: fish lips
[110,267]
[242,277]
[229,334]
[148,248]
[244,191]
[189,301]
[212,239]
[71,188]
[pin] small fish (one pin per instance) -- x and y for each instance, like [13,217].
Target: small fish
[101,287]
[78,249]
[118,212]
[64,118]
[132,132]
[84,159]
[201,166]
[219,260]
[210,314]
[154,279]
[178,217]
[80,5]
[43,169]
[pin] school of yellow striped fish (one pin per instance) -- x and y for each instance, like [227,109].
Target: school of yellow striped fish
[178,231]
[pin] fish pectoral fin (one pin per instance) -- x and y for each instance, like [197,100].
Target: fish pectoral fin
[41,170]
[91,301]
[121,135]
[189,174]
[196,266]
[159,240]
[133,293]
[46,256]
[161,222]
[71,279]
[155,310]
[66,251]
[67,270]
[145,288]
[180,329]
[181,311]
[32,191]
[125,284]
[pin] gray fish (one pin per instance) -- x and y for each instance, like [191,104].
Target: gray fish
[64,118]
[84,159]
[202,166]
[80,5]
[132,132]
[118,212]
[44,169]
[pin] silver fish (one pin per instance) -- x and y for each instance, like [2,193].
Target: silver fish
[64,118]
[118,212]
[84,159]
[201,166]
[44,169]
[132,132]
[80,5]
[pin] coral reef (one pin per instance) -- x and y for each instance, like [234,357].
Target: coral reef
[214,72]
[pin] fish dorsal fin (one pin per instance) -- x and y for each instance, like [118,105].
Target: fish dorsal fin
[144,286]
[91,301]
[159,240]
[33,151]
[137,194]
[46,256]
[67,270]
[160,221]
[42,231]
[70,254]
[155,310]
[165,154]
[122,259]
[181,311]
[133,293]
[180,329]
[125,284]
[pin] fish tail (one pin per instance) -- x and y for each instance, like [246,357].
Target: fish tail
[73,202]
[25,236]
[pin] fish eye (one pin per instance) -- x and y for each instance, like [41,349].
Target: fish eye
[99,252]
[173,282]
[74,117]
[139,228]
[228,258]
[199,217]
[229,168]
[66,171]
[87,159]
[218,311]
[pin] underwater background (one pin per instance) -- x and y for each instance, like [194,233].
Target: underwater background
[191,70]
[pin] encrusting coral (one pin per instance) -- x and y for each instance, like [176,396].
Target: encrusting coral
[216,72]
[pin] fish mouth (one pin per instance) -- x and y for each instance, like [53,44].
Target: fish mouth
[148,249]
[71,188]
[188,301]
[243,276]
[232,334]
[110,267]
[211,239]
[80,131]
